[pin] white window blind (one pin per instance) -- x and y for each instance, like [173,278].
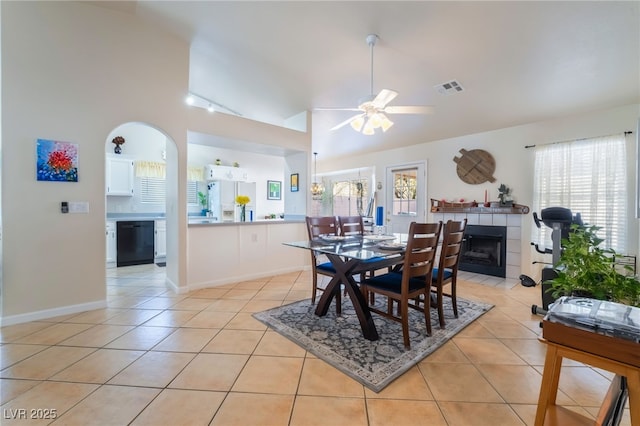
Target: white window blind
[192,192]
[589,177]
[153,191]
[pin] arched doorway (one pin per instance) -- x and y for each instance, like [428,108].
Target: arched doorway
[136,202]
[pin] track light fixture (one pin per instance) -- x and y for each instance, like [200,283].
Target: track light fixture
[196,100]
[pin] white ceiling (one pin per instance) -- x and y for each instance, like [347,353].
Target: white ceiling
[519,62]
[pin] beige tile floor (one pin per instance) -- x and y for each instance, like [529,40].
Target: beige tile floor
[154,357]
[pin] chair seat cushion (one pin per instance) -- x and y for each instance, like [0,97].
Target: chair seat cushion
[326,266]
[392,281]
[445,275]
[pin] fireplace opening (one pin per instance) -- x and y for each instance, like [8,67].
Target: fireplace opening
[484,250]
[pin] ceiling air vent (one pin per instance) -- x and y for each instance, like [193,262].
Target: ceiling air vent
[449,88]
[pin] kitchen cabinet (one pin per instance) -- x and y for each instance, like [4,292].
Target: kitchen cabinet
[111,244]
[160,245]
[119,176]
[213,172]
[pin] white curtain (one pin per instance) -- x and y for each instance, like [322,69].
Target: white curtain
[589,177]
[195,173]
[153,169]
[150,169]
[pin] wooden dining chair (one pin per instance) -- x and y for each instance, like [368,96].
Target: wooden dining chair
[351,225]
[411,283]
[317,226]
[446,273]
[354,225]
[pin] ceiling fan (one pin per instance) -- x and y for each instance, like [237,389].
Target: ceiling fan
[372,109]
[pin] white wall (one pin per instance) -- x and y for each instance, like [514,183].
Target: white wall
[295,203]
[73,72]
[514,163]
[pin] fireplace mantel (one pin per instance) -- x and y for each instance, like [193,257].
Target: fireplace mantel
[494,207]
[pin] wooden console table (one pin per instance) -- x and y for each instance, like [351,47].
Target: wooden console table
[612,354]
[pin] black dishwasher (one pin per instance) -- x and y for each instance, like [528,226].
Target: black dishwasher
[135,242]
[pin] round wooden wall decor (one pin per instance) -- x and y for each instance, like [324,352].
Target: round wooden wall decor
[475,166]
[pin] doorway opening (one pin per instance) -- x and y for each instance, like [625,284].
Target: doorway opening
[405,196]
[136,200]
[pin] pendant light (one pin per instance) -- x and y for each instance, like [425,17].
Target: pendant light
[317,189]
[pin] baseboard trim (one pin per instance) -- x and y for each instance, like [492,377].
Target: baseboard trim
[247,277]
[51,313]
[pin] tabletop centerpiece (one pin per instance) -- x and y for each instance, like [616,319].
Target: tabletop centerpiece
[242,201]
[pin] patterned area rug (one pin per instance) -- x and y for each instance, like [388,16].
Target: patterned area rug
[338,339]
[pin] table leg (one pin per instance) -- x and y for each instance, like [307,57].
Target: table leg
[331,290]
[343,275]
[362,310]
[633,386]
[550,381]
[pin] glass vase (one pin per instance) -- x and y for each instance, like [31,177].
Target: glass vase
[243,211]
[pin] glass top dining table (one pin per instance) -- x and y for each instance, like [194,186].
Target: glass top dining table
[350,256]
[361,247]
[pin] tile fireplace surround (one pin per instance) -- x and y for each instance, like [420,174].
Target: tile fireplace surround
[513,222]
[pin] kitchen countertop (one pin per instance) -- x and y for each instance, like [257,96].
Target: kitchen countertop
[197,220]
[203,221]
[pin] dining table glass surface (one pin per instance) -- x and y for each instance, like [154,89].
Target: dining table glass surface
[361,247]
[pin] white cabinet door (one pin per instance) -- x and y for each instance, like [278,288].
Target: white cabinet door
[119,176]
[112,245]
[160,239]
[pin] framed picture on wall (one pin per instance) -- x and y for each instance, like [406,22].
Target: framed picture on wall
[294,182]
[56,161]
[274,190]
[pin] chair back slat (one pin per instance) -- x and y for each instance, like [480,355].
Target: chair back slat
[422,243]
[452,239]
[351,225]
[322,225]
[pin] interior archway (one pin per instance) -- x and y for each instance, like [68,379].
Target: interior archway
[144,152]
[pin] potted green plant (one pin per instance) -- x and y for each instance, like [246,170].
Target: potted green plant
[202,199]
[586,269]
[504,194]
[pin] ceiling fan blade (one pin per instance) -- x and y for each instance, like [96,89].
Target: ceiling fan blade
[336,109]
[345,122]
[426,109]
[384,97]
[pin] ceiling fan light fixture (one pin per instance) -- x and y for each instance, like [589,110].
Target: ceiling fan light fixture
[385,123]
[368,128]
[375,120]
[370,108]
[357,123]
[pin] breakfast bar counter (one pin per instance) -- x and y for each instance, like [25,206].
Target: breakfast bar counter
[227,252]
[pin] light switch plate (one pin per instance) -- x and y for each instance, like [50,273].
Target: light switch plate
[78,207]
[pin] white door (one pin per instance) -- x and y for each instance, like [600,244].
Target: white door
[406,193]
